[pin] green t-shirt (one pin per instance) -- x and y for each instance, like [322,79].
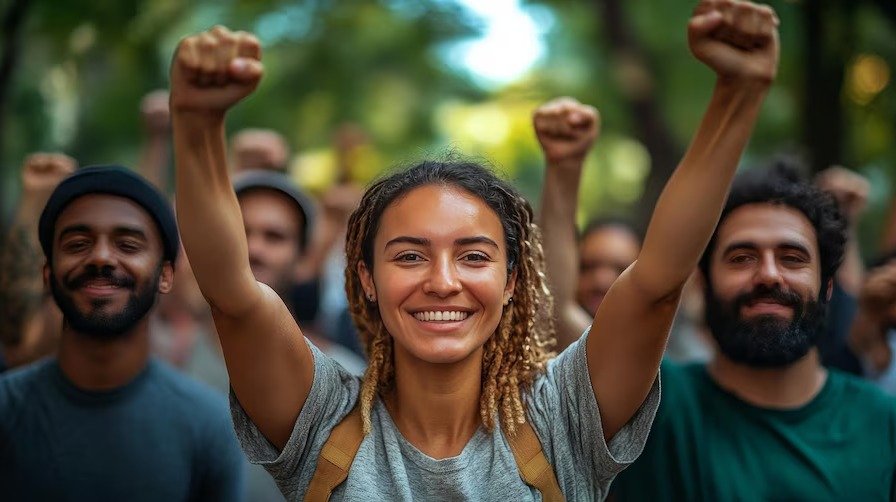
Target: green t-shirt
[706,444]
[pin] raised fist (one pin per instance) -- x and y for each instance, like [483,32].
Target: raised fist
[566,129]
[736,39]
[878,295]
[849,188]
[214,70]
[41,172]
[154,110]
[340,200]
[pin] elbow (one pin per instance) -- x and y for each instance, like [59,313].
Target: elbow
[657,288]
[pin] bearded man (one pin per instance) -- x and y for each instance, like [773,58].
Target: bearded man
[102,420]
[764,420]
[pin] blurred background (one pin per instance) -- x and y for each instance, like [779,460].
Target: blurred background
[405,79]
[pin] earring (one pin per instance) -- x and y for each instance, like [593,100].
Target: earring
[370,297]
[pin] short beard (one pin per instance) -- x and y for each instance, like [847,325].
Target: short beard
[98,324]
[766,341]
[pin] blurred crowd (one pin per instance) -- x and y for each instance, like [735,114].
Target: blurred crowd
[296,245]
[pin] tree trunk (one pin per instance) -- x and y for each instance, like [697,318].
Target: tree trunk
[829,45]
[637,85]
[11,32]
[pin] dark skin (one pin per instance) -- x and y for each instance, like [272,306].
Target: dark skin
[113,233]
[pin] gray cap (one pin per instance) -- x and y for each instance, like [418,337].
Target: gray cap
[274,180]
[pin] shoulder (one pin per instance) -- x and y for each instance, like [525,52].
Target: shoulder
[18,388]
[17,382]
[184,392]
[869,398]
[681,378]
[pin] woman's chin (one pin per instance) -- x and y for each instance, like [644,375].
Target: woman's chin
[446,353]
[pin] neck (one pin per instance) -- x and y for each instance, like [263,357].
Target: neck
[436,406]
[789,386]
[97,365]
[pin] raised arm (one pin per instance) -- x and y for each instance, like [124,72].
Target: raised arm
[25,330]
[269,364]
[738,41]
[566,129]
[153,163]
[850,189]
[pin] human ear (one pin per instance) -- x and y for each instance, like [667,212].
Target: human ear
[166,281]
[366,281]
[510,287]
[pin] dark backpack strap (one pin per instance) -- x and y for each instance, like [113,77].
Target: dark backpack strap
[532,464]
[336,457]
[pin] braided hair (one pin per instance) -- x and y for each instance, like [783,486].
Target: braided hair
[518,350]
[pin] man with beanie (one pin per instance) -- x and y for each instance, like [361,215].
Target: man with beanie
[103,420]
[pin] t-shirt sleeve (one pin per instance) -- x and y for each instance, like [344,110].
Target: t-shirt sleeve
[565,415]
[333,394]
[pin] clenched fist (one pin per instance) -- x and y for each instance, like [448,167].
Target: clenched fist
[41,172]
[849,188]
[736,39]
[214,70]
[566,129]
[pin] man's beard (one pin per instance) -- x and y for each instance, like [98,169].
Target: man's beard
[765,341]
[98,323]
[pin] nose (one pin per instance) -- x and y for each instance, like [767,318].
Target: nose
[443,280]
[255,244]
[102,254]
[769,272]
[604,277]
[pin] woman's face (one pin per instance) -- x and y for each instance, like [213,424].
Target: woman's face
[440,273]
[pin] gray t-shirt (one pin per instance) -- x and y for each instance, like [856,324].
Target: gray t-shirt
[561,407]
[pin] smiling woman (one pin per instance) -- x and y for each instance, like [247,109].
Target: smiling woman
[446,284]
[412,274]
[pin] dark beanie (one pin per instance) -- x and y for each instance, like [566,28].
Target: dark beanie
[279,182]
[110,180]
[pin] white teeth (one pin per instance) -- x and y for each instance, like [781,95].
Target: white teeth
[439,315]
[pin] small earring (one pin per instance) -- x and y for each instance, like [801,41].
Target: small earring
[370,296]
[509,300]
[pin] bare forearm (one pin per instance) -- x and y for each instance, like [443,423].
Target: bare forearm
[21,284]
[209,216]
[851,273]
[154,160]
[559,201]
[689,207]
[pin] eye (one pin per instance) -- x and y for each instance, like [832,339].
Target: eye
[476,257]
[741,258]
[129,246]
[409,257]
[75,245]
[792,258]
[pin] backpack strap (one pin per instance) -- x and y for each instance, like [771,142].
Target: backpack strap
[339,452]
[336,457]
[534,467]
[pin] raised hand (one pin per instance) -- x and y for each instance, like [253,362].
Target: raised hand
[154,111]
[214,70]
[849,188]
[41,172]
[878,295]
[736,39]
[566,129]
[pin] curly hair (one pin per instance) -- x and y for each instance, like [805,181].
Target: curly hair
[518,350]
[781,184]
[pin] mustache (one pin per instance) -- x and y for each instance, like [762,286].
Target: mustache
[767,294]
[92,272]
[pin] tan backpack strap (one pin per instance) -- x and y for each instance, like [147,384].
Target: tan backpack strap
[533,465]
[336,457]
